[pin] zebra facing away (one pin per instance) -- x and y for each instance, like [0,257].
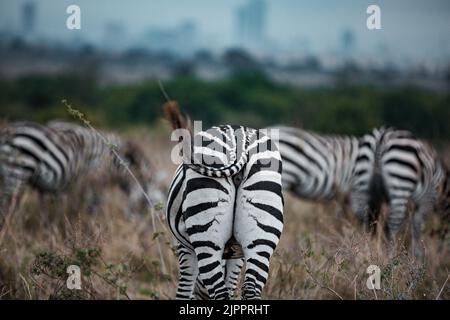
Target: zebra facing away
[412,172]
[387,165]
[225,203]
[326,167]
[53,158]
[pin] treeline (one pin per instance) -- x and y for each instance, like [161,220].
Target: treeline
[247,98]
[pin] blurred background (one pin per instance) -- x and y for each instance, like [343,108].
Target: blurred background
[312,64]
[254,62]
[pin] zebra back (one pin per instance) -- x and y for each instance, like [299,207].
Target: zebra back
[111,157]
[95,149]
[317,166]
[416,161]
[221,151]
[38,154]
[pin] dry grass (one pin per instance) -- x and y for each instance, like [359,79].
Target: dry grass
[322,254]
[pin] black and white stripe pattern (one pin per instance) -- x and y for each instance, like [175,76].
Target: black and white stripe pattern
[53,157]
[228,195]
[220,151]
[411,171]
[324,167]
[232,269]
[109,169]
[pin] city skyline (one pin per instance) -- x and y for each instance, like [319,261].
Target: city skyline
[411,30]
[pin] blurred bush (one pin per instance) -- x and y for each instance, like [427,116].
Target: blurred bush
[248,98]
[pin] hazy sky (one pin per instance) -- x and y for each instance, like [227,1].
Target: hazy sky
[415,29]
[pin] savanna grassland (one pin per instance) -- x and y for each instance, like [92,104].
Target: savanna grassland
[323,253]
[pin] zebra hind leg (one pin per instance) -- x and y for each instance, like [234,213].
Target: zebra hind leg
[360,207]
[211,271]
[200,290]
[417,229]
[10,193]
[398,208]
[208,215]
[233,268]
[257,228]
[188,273]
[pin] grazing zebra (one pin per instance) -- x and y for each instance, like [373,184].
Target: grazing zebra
[225,202]
[113,171]
[51,158]
[326,167]
[411,171]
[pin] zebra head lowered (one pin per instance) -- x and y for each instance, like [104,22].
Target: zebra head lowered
[138,178]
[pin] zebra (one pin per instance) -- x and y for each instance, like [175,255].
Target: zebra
[52,158]
[326,167]
[412,172]
[225,202]
[386,165]
[113,172]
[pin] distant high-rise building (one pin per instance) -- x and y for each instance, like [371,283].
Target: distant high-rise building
[348,42]
[251,23]
[28,18]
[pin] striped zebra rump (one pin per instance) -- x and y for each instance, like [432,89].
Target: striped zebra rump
[229,193]
[412,173]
